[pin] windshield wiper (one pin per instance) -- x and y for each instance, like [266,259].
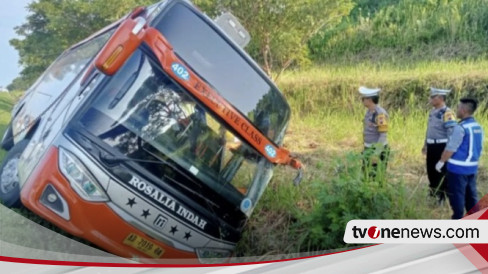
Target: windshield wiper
[111,160]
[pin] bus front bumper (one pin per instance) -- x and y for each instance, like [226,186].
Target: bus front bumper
[48,194]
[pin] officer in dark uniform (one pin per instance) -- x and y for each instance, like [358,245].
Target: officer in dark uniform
[375,131]
[439,128]
[462,154]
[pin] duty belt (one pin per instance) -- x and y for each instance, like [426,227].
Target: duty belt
[370,145]
[436,141]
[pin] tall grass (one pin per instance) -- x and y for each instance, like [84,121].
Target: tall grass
[404,87]
[451,29]
[327,110]
[326,132]
[313,216]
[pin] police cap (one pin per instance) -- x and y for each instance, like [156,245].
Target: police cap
[438,91]
[369,92]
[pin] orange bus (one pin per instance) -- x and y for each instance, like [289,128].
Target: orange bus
[153,138]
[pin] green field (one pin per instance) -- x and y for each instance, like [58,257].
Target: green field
[326,131]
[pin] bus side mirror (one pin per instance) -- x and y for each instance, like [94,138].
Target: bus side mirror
[121,45]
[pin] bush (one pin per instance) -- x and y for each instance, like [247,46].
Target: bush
[351,194]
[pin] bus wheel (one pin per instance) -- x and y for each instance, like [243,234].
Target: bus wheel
[9,176]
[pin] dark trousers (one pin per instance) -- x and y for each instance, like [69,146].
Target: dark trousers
[371,167]
[437,181]
[462,193]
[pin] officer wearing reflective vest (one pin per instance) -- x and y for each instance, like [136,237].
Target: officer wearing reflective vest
[462,154]
[439,127]
[375,131]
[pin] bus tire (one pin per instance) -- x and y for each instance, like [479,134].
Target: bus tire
[9,176]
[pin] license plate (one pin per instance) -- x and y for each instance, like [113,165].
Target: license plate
[144,245]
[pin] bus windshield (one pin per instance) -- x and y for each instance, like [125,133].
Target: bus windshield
[225,69]
[142,112]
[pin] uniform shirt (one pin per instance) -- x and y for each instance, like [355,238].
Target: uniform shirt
[375,126]
[456,138]
[441,122]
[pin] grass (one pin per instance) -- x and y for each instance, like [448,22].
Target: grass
[387,73]
[326,132]
[407,30]
[327,112]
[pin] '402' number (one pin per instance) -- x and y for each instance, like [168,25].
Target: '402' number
[270,151]
[180,71]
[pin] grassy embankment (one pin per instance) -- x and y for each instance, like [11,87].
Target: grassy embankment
[406,30]
[326,131]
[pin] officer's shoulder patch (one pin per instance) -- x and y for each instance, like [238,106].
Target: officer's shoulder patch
[381,119]
[382,122]
[449,116]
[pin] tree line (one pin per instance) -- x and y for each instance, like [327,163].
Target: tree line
[285,33]
[280,28]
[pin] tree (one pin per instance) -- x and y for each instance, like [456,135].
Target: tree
[280,29]
[54,25]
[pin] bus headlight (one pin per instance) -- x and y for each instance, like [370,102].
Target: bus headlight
[79,177]
[213,256]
